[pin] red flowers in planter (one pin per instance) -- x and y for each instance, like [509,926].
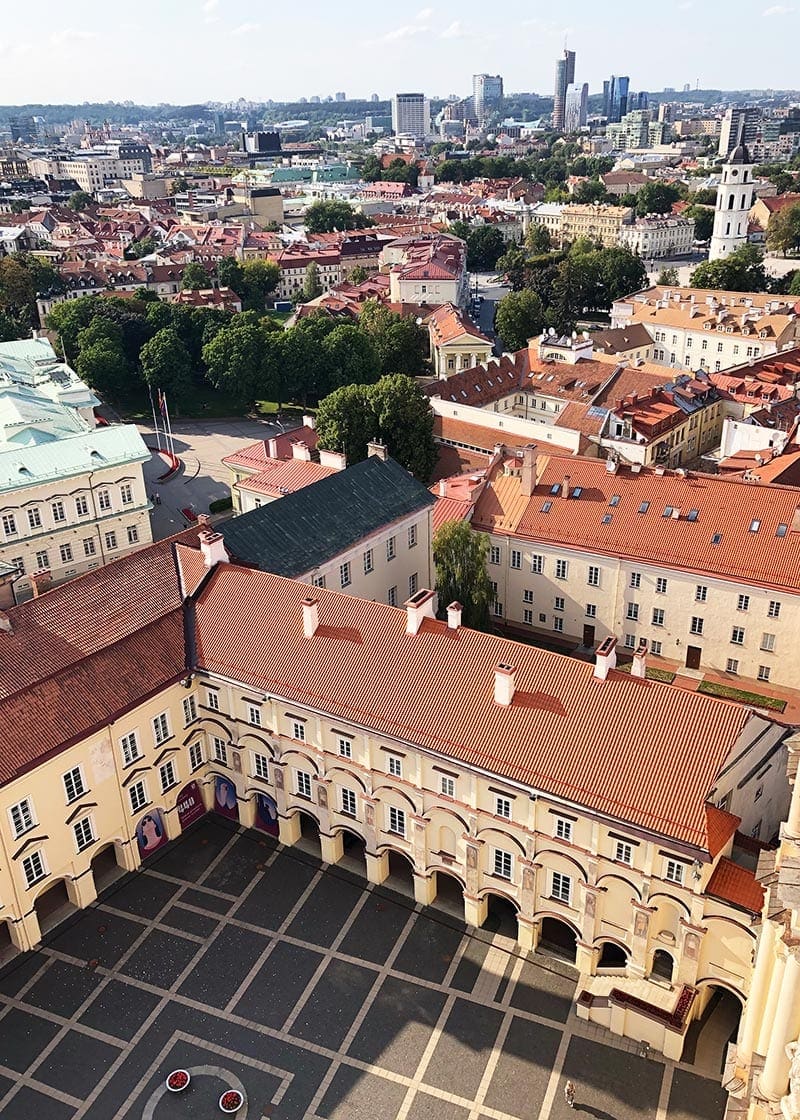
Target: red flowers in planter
[177,1080]
[231,1100]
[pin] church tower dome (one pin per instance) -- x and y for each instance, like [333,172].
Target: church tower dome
[734,199]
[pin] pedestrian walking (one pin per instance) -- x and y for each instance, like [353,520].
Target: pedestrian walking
[569,1094]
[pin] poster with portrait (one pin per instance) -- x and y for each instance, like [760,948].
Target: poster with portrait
[225,802]
[151,833]
[190,805]
[266,814]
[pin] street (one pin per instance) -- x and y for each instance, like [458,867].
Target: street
[491,292]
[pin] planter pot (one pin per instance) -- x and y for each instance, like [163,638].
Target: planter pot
[234,1100]
[181,1079]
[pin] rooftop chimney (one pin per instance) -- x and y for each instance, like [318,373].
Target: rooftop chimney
[442,487]
[213,549]
[40,581]
[272,448]
[504,684]
[606,658]
[310,617]
[454,615]
[203,521]
[528,471]
[335,459]
[309,422]
[5,622]
[419,606]
[639,664]
[300,451]
[565,486]
[375,447]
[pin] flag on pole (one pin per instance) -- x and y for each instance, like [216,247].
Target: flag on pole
[162,404]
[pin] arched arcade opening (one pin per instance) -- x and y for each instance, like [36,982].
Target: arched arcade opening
[558,939]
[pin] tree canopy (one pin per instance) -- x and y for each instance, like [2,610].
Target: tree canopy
[519,316]
[656,198]
[79,200]
[195,278]
[326,216]
[741,271]
[460,556]
[783,231]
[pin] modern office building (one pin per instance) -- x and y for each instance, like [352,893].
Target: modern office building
[487,93]
[576,107]
[615,98]
[740,125]
[565,76]
[411,115]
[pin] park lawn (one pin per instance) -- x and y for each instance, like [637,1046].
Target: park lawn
[206,403]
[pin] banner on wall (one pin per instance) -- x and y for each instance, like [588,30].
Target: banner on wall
[225,802]
[151,833]
[190,805]
[266,814]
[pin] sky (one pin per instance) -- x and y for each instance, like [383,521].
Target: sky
[185,51]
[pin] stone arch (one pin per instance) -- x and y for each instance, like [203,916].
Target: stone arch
[343,770]
[434,809]
[208,722]
[558,936]
[670,898]
[614,954]
[542,914]
[307,807]
[106,870]
[303,757]
[662,963]
[441,869]
[262,742]
[448,842]
[484,891]
[506,836]
[562,855]
[398,793]
[621,878]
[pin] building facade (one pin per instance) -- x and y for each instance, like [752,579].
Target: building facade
[565,76]
[659,236]
[411,115]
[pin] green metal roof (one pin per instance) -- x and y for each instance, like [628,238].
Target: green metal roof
[70,455]
[306,529]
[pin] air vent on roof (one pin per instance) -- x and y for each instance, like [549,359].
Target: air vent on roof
[755,525]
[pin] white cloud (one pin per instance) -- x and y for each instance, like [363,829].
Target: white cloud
[210,5]
[424,15]
[456,30]
[398,34]
[777,10]
[72,35]
[246,29]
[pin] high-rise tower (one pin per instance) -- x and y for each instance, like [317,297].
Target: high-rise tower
[565,76]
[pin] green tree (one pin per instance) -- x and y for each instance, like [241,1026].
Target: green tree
[326,216]
[740,271]
[783,231]
[259,279]
[350,356]
[141,248]
[195,278]
[591,190]
[237,359]
[371,169]
[619,272]
[358,274]
[656,198]
[485,245]
[405,423]
[346,421]
[79,200]
[230,275]
[102,365]
[794,286]
[460,555]
[401,345]
[703,218]
[537,239]
[514,265]
[706,196]
[165,365]
[179,185]
[519,316]
[460,229]
[9,328]
[311,282]
[20,205]
[668,277]
[68,319]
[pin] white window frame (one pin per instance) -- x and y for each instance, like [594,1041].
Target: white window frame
[212,699]
[302,784]
[674,871]
[391,548]
[563,829]
[78,784]
[345,574]
[623,852]
[348,803]
[129,748]
[34,868]
[84,834]
[189,709]
[447,786]
[503,807]
[561,887]
[220,750]
[298,730]
[196,755]
[345,747]
[369,561]
[394,766]
[22,816]
[161,729]
[168,775]
[502,864]
[254,715]
[396,821]
[412,536]
[137,796]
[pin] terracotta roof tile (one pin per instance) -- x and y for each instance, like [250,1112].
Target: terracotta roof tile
[737,885]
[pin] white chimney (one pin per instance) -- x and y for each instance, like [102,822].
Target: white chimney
[300,451]
[335,459]
[272,448]
[454,615]
[310,422]
[606,658]
[419,606]
[442,487]
[310,617]
[504,684]
[528,473]
[565,486]
[639,663]
[375,447]
[213,549]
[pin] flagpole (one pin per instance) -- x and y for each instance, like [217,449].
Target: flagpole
[169,425]
[155,422]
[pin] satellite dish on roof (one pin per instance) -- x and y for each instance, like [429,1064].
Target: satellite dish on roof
[551,331]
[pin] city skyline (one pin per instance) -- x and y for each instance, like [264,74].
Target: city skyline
[217,51]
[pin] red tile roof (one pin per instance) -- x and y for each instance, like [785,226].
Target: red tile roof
[448,322]
[737,885]
[648,755]
[721,827]
[284,476]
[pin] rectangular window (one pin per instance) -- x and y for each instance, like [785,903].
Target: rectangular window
[502,807]
[537,564]
[33,868]
[503,863]
[673,871]
[212,700]
[515,559]
[562,569]
[558,625]
[133,534]
[9,525]
[138,796]
[527,616]
[189,709]
[774,609]
[636,580]
[346,747]
[655,649]
[160,729]
[111,541]
[633,612]
[344,574]
[701,593]
[630,641]
[318,581]
[391,548]
[126,494]
[743,603]
[494,554]
[220,750]
[302,783]
[448,786]
[74,786]
[591,610]
[397,821]
[195,755]
[254,715]
[623,852]
[661,585]
[22,816]
[732,665]
[563,829]
[65,552]
[104,500]
[413,581]
[658,617]
[768,642]
[391,596]
[558,603]
[42,561]
[763,672]
[593,578]
[89,546]
[130,748]
[527,596]
[369,561]
[696,626]
[562,887]
[58,512]
[299,730]
[34,518]
[261,766]
[394,766]
[412,536]
[84,833]
[167,776]
[737,636]
[348,801]
[81,506]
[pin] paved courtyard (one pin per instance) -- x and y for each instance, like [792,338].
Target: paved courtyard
[253,965]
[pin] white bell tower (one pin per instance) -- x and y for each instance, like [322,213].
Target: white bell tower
[734,199]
